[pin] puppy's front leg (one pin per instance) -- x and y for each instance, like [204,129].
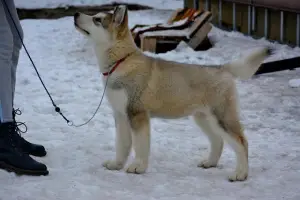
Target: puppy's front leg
[123,143]
[140,124]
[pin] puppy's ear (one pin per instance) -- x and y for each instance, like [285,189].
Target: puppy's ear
[120,15]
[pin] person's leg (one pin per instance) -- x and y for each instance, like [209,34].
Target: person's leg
[12,14]
[6,49]
[17,33]
[11,156]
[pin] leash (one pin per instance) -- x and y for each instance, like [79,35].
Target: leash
[56,108]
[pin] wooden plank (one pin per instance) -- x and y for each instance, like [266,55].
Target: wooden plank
[148,44]
[199,36]
[198,23]
[279,65]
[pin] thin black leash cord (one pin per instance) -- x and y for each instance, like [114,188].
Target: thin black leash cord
[57,109]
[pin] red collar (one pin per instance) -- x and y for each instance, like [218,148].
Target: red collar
[115,66]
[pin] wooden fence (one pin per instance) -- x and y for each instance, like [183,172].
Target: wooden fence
[276,20]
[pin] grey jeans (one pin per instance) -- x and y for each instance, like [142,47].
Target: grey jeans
[10,45]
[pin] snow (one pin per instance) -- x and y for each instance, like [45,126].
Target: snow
[164,24]
[165,4]
[294,83]
[270,112]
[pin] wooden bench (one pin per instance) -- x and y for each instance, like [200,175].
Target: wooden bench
[188,25]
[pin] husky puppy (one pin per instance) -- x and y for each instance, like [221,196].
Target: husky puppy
[141,87]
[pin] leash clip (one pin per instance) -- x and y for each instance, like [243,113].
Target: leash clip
[70,123]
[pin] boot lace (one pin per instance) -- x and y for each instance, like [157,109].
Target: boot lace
[19,124]
[16,132]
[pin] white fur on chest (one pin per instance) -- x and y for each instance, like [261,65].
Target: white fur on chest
[118,99]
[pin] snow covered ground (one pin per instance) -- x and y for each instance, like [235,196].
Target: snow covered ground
[294,82]
[161,4]
[270,111]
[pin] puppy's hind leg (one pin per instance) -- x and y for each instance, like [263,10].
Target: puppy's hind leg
[123,143]
[229,128]
[234,135]
[232,132]
[207,122]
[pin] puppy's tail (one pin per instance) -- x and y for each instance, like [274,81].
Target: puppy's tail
[246,67]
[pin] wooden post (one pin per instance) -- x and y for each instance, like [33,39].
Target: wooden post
[266,23]
[249,20]
[220,13]
[207,5]
[185,3]
[298,30]
[196,4]
[281,26]
[253,18]
[234,16]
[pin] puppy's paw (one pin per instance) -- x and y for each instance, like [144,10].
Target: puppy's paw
[207,164]
[137,167]
[113,165]
[239,175]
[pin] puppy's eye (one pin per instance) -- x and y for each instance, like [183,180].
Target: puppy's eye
[97,20]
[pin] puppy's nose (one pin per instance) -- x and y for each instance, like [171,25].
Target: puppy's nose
[76,15]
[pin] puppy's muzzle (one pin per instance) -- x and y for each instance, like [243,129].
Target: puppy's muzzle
[76,16]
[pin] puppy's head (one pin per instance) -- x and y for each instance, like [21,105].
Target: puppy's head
[104,28]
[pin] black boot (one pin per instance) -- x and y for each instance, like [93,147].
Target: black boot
[26,147]
[12,158]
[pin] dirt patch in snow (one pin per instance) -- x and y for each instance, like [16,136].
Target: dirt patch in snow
[59,12]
